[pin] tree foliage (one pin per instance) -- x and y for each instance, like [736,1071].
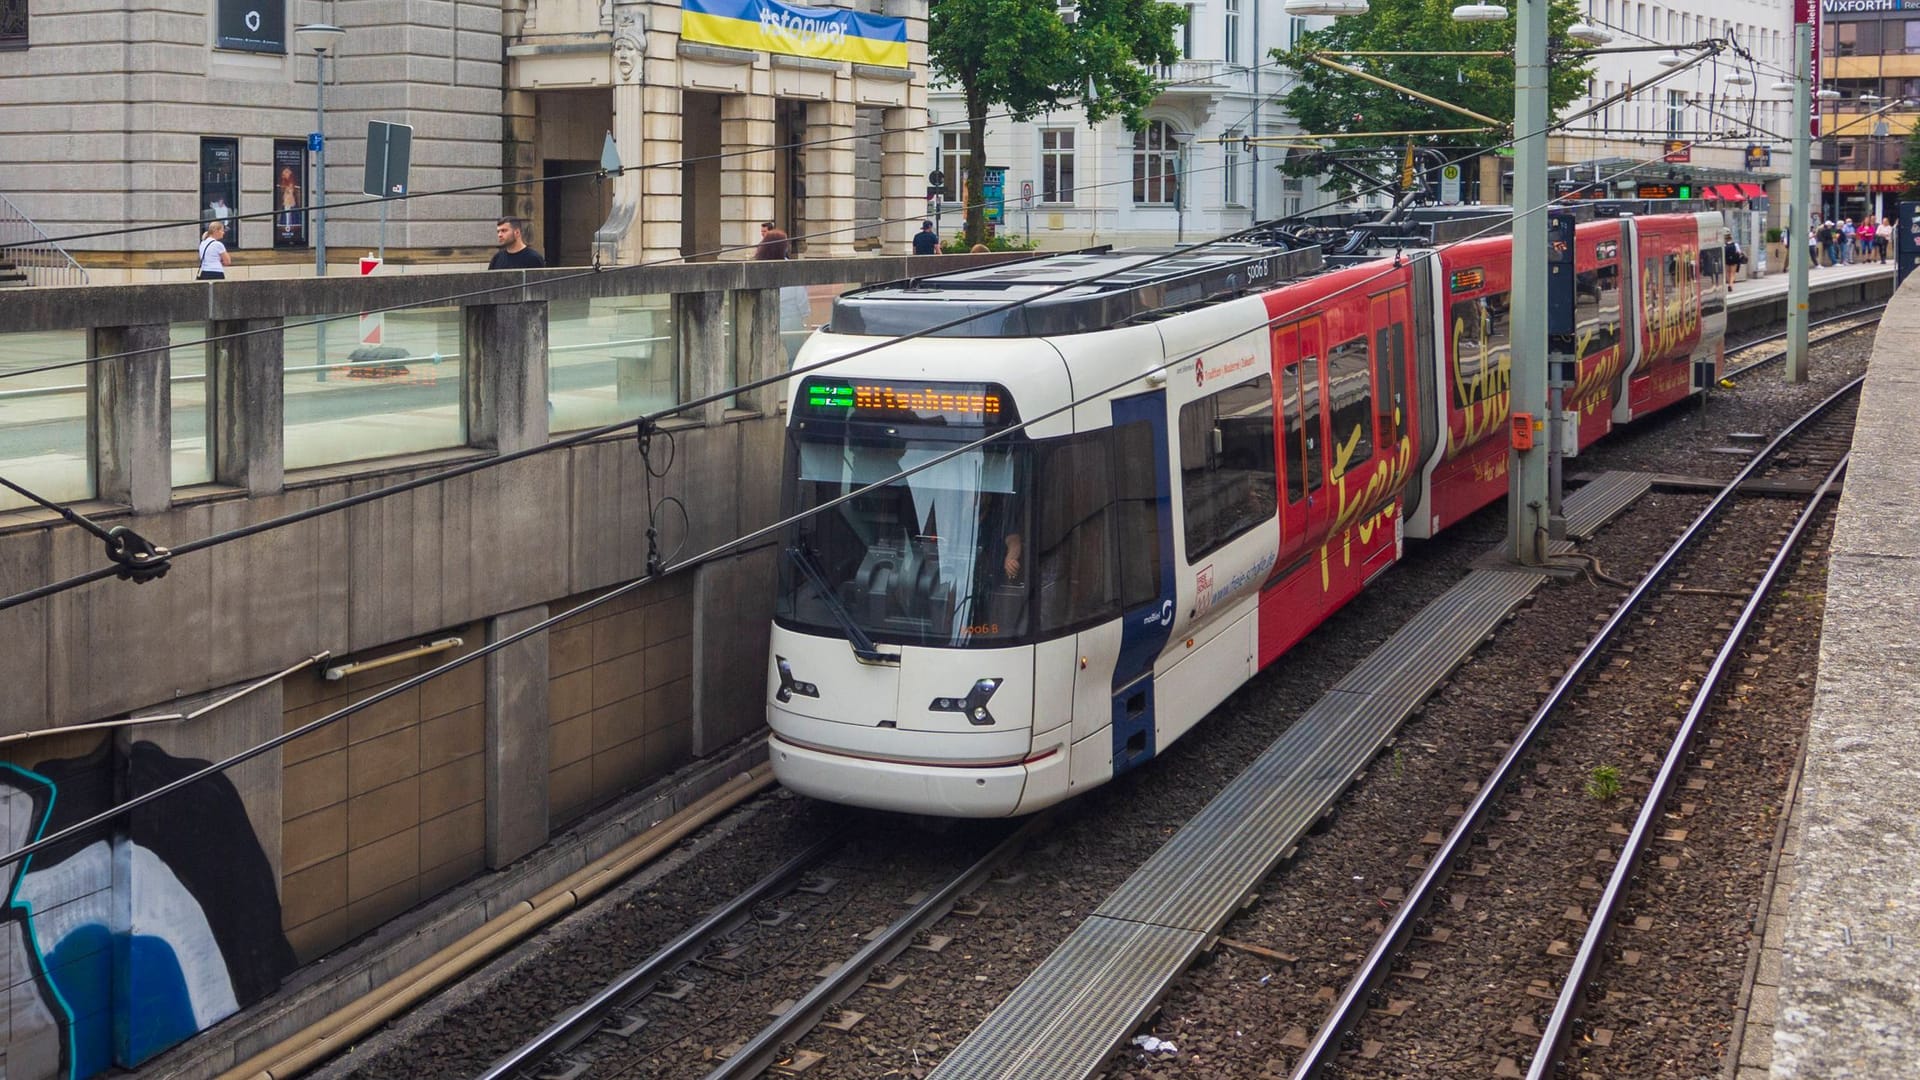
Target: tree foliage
[1910,165]
[1021,57]
[1325,101]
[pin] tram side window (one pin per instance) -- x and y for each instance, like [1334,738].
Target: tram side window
[1077,579]
[1481,328]
[1390,382]
[1350,389]
[1596,309]
[1136,501]
[1290,408]
[1227,474]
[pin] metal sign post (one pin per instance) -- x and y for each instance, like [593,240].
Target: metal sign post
[389,153]
[1026,205]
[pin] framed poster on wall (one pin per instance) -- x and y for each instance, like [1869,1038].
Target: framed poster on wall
[251,25]
[220,186]
[289,193]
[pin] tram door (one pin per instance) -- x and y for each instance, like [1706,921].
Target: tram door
[1146,503]
[1299,354]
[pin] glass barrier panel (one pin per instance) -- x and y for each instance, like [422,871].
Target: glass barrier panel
[192,444]
[609,358]
[374,386]
[43,417]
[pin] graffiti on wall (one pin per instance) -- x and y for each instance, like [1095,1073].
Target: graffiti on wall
[123,944]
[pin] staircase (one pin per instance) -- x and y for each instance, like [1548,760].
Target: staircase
[28,256]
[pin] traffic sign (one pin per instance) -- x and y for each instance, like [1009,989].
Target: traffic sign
[316,142]
[1026,194]
[369,263]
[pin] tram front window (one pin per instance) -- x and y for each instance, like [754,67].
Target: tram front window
[936,558]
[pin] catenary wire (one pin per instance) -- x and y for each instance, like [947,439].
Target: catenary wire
[105,816]
[372,200]
[648,420]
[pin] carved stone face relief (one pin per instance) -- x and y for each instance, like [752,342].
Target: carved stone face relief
[629,45]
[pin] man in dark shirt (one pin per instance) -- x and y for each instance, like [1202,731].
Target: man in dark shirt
[514,254]
[926,241]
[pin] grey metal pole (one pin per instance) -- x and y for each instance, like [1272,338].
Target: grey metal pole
[320,165]
[320,205]
[1799,210]
[1527,526]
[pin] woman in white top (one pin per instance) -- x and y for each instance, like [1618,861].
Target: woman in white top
[214,259]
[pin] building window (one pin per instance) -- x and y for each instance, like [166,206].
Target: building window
[1186,35]
[954,147]
[1293,192]
[1233,32]
[1155,159]
[1056,165]
[1676,110]
[13,24]
[1297,29]
[1230,168]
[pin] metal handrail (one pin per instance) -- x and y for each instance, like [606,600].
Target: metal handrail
[35,252]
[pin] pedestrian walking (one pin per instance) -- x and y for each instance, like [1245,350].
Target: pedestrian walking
[514,254]
[214,259]
[926,241]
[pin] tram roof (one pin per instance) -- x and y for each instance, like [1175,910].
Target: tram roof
[1073,293]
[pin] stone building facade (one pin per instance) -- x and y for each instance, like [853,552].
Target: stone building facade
[121,131]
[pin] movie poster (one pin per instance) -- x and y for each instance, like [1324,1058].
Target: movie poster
[220,186]
[289,193]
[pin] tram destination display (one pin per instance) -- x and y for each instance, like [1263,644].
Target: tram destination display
[869,401]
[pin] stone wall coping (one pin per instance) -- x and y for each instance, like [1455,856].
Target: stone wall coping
[86,306]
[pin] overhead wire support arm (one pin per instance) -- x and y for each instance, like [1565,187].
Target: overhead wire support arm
[1348,69]
[139,559]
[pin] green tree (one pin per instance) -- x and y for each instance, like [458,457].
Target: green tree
[1325,101]
[1910,165]
[1020,56]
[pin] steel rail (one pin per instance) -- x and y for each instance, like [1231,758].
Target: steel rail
[1586,963]
[763,1050]
[1352,1005]
[1765,360]
[580,1023]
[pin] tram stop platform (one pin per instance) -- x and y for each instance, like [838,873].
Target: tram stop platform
[1836,995]
[1755,303]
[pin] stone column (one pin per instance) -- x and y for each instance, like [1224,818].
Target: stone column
[517,752]
[698,320]
[746,171]
[756,336]
[131,422]
[903,150]
[519,160]
[829,226]
[246,389]
[506,382]
[660,203]
[617,242]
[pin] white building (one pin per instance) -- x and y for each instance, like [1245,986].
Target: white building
[1187,175]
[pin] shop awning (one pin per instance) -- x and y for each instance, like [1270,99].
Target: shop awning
[1726,192]
[1753,191]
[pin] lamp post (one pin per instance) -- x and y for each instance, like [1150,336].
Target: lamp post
[1802,205]
[321,39]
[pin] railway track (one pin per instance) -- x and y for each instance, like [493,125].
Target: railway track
[1447,910]
[1857,319]
[637,1023]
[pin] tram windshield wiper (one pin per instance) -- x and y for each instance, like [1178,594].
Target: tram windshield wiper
[857,639]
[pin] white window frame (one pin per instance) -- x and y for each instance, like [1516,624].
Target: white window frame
[1156,165]
[1232,54]
[1051,157]
[954,153]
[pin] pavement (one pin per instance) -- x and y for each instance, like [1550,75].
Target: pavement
[1836,993]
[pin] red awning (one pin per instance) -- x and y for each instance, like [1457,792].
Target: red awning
[1753,191]
[1726,192]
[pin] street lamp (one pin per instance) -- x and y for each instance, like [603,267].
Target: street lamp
[321,39]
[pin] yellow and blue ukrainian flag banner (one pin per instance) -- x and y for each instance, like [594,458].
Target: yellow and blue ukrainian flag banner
[772,26]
